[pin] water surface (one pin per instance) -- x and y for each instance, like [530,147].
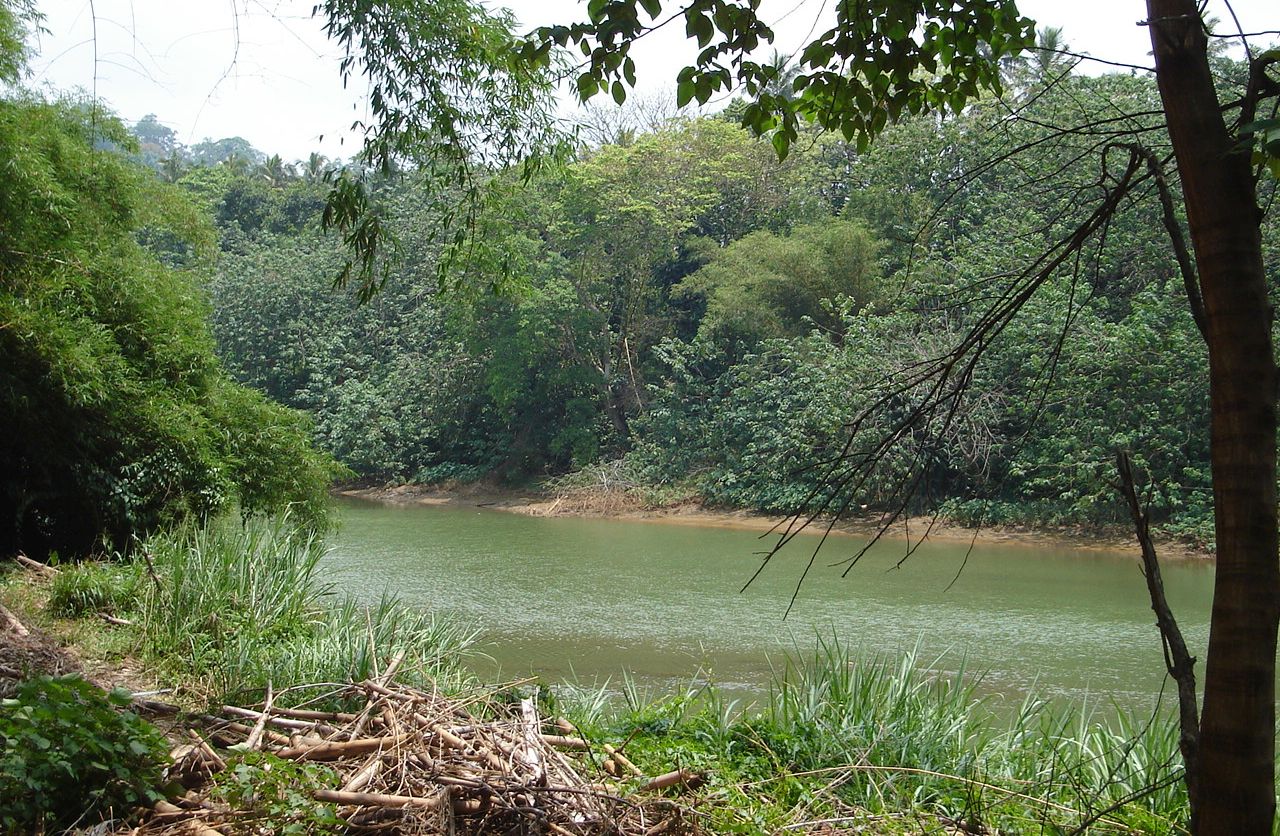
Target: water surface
[592,599]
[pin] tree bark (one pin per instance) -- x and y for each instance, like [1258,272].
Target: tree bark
[1236,782]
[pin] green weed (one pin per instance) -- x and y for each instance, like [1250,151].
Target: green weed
[70,754]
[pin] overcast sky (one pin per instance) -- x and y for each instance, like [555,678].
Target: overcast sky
[262,69]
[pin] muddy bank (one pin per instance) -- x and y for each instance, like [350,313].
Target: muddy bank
[617,505]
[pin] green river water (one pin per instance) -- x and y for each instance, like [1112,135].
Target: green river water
[593,600]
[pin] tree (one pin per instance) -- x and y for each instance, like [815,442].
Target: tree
[765,285]
[917,56]
[118,417]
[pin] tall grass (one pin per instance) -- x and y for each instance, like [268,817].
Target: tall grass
[240,606]
[227,580]
[893,739]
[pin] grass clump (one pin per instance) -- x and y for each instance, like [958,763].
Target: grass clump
[83,589]
[239,606]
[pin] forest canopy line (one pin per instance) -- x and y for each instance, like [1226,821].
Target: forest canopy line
[713,318]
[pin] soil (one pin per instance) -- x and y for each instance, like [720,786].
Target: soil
[54,647]
[623,506]
[32,655]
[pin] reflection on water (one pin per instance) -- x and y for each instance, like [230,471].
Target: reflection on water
[594,599]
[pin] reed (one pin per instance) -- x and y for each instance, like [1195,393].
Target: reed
[879,740]
[240,606]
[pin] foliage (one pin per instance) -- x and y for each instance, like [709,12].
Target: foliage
[274,795]
[119,418]
[880,62]
[457,120]
[73,755]
[687,302]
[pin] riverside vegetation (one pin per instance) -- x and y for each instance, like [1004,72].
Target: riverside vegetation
[676,307]
[877,742]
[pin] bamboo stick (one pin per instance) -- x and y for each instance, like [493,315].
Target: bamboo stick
[282,722]
[623,761]
[301,714]
[341,749]
[374,799]
[259,728]
[678,778]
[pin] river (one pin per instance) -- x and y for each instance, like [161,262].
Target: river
[594,600]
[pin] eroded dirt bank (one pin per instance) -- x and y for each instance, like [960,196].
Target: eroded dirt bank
[613,505]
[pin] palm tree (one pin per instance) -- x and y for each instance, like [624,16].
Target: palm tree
[315,168]
[276,171]
[237,165]
[784,76]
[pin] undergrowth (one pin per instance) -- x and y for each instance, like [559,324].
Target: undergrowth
[884,743]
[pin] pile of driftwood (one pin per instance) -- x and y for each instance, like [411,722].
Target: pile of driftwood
[414,761]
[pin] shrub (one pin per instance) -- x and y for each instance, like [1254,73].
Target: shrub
[71,754]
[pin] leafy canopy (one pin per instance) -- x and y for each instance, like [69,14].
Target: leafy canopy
[882,60]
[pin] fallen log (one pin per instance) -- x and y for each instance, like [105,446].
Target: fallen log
[36,566]
[12,622]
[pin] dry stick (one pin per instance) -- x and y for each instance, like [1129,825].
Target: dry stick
[12,621]
[1177,659]
[533,752]
[341,749]
[222,723]
[565,742]
[366,774]
[36,566]
[213,757]
[259,728]
[282,722]
[391,668]
[373,799]
[300,714]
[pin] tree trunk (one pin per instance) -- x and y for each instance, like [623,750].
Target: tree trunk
[1237,728]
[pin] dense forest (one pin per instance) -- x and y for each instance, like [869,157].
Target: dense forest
[676,311]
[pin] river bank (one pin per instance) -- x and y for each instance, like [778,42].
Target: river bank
[604,504]
[886,742]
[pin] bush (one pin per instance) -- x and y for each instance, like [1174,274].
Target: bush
[71,754]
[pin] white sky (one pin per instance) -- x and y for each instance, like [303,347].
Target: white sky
[262,69]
